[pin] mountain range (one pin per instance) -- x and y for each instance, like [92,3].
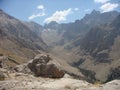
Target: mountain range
[90,44]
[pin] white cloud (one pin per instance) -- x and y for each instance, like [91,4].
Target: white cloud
[109,7]
[36,15]
[76,9]
[40,14]
[59,16]
[41,7]
[101,1]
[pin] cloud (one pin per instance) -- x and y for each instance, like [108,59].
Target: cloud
[59,16]
[40,14]
[36,15]
[41,7]
[76,9]
[109,7]
[101,1]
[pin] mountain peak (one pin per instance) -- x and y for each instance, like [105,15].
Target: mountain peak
[5,15]
[51,25]
[95,12]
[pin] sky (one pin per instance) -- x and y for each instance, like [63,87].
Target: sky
[61,11]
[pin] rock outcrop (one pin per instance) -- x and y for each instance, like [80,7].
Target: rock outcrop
[43,65]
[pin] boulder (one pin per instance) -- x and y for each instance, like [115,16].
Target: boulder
[43,65]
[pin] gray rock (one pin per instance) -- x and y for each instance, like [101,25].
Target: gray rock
[43,65]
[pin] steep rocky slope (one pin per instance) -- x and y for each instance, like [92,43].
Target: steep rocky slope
[17,39]
[100,51]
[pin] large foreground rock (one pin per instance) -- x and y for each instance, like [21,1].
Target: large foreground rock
[43,65]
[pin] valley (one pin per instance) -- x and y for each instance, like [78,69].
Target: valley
[87,51]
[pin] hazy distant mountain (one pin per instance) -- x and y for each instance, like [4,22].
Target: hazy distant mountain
[71,31]
[18,38]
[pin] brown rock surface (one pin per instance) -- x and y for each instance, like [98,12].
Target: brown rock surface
[43,65]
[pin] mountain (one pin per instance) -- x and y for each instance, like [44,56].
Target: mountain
[35,27]
[70,31]
[90,44]
[100,51]
[18,39]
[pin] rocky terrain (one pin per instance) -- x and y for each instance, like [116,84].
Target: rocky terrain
[20,81]
[74,56]
[23,77]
